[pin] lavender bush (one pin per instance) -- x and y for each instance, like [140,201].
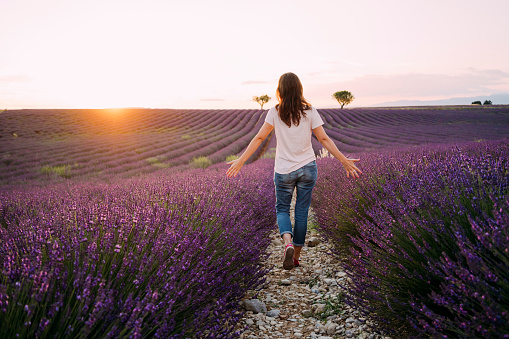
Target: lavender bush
[425,237]
[138,258]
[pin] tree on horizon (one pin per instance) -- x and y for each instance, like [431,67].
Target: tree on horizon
[343,97]
[261,100]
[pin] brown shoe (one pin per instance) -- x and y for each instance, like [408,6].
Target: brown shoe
[288,259]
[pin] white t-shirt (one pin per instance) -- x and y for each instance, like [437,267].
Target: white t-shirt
[293,148]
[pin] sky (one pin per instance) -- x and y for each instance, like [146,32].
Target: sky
[219,54]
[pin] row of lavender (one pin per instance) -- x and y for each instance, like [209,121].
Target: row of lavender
[424,237]
[356,130]
[164,257]
[98,143]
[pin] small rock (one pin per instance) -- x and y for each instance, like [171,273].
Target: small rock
[255,305]
[324,337]
[331,328]
[297,335]
[273,313]
[277,242]
[350,320]
[312,242]
[249,322]
[286,282]
[349,333]
[320,308]
[307,313]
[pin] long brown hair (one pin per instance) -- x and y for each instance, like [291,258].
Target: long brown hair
[291,100]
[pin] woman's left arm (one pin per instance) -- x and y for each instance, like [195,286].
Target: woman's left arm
[236,165]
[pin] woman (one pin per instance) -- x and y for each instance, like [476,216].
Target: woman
[295,167]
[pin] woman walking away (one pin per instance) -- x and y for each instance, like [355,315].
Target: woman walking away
[295,167]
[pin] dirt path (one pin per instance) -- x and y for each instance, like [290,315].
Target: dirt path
[302,303]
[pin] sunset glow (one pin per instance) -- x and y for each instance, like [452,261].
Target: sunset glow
[203,54]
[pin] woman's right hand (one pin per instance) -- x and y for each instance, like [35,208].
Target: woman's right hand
[349,165]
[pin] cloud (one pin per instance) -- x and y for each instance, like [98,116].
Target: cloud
[13,78]
[212,99]
[255,82]
[471,81]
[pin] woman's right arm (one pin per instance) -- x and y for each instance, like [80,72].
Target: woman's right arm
[348,164]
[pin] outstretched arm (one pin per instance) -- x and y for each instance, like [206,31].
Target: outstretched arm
[330,146]
[236,165]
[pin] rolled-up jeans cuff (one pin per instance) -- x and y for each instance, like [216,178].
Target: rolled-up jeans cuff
[300,245]
[285,232]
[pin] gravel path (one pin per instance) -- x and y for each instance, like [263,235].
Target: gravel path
[302,303]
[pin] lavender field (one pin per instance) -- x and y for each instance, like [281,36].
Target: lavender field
[48,145]
[108,229]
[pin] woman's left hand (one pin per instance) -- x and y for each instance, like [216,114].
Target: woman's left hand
[235,167]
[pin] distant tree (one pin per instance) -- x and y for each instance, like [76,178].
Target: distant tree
[476,103]
[343,97]
[261,100]
[487,102]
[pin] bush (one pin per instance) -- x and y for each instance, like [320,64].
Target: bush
[425,237]
[138,258]
[200,162]
[152,160]
[231,158]
[487,102]
[64,170]
[476,103]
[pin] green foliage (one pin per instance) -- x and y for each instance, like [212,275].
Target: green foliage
[200,162]
[64,171]
[156,161]
[270,154]
[231,158]
[153,160]
[261,100]
[334,305]
[487,102]
[343,97]
[476,103]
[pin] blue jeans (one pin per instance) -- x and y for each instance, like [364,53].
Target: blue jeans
[304,180]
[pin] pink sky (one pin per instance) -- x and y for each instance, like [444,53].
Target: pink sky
[218,54]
